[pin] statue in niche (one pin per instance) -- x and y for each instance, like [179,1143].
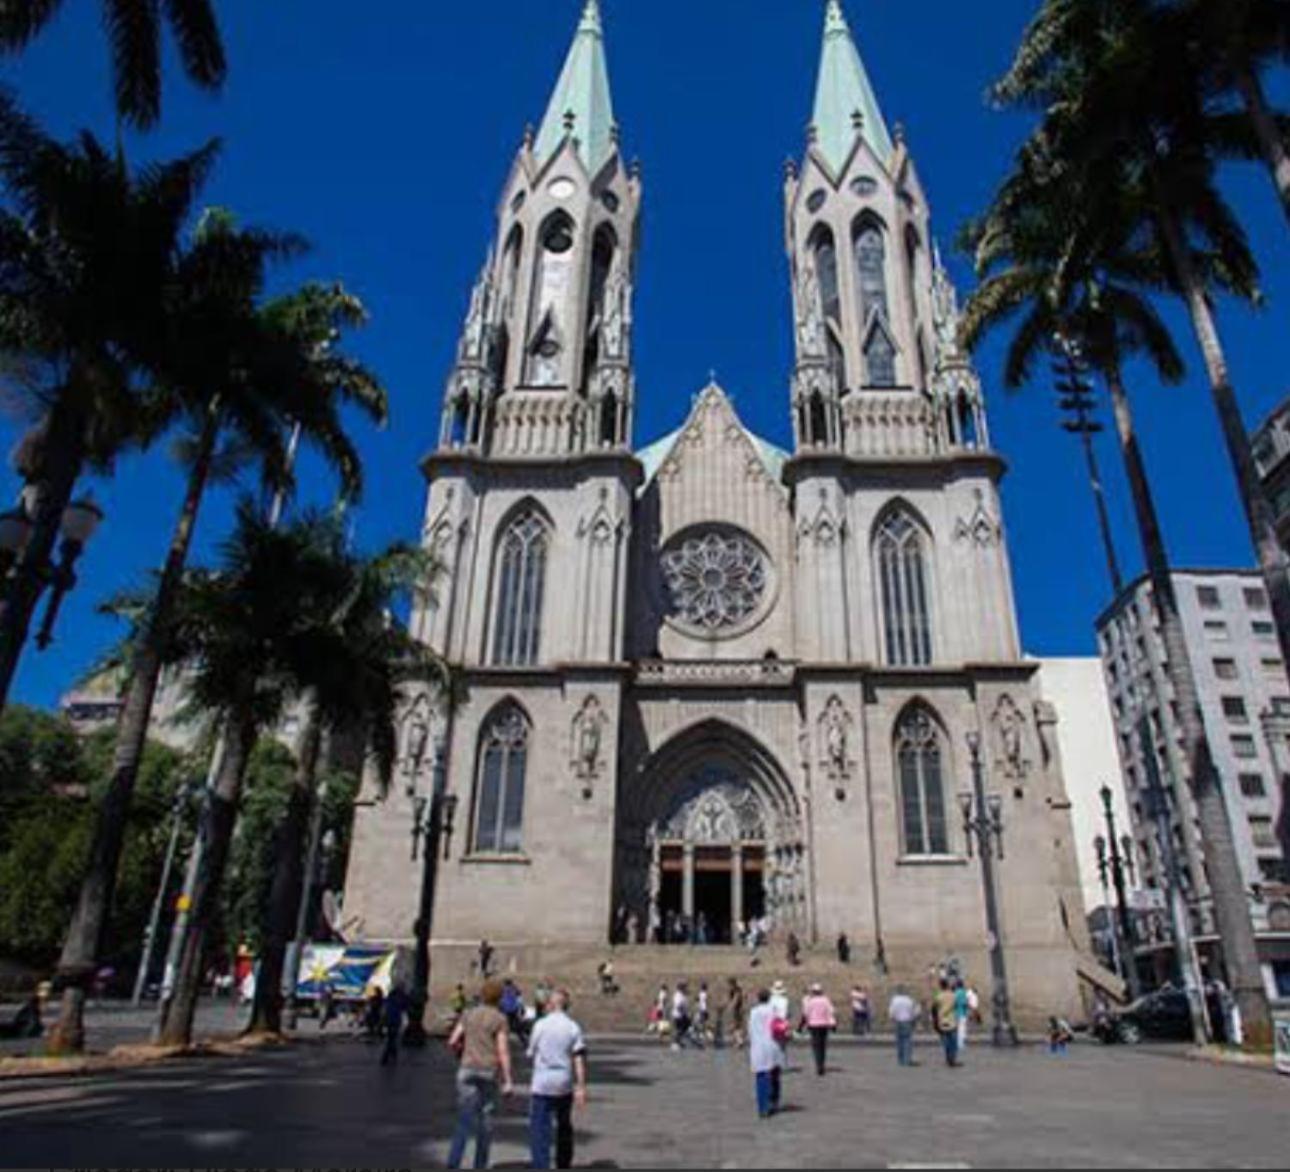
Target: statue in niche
[588,731]
[416,737]
[834,725]
[810,316]
[1011,733]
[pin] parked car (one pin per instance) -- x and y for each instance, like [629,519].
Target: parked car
[1160,1016]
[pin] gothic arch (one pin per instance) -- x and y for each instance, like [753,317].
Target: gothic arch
[923,772]
[549,323]
[902,558]
[499,780]
[522,544]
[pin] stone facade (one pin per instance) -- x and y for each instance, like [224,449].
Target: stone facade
[712,681]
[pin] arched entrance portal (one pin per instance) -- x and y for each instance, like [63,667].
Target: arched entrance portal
[711,841]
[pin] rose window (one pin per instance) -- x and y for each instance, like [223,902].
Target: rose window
[716,580]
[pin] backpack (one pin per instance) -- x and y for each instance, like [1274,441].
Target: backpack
[779,1031]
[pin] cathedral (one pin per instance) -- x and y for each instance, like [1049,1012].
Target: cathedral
[711,681]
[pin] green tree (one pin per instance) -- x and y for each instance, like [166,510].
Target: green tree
[347,669]
[1137,144]
[87,250]
[134,29]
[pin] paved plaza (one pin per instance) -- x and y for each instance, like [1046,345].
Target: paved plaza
[330,1105]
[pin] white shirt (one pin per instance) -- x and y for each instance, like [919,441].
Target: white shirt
[779,1005]
[680,1005]
[764,1053]
[903,1009]
[554,1042]
[703,1001]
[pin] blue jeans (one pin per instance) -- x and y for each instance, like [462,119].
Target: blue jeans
[768,1089]
[476,1102]
[545,1110]
[905,1043]
[950,1040]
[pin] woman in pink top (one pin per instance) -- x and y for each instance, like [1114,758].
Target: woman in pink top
[820,1020]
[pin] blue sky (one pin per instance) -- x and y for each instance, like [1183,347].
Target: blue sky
[384,132]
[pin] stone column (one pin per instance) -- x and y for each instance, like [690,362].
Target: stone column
[655,918]
[736,889]
[687,885]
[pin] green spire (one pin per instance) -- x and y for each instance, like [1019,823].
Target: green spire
[844,96]
[581,104]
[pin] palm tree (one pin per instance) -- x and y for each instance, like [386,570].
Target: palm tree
[87,249]
[347,669]
[1136,144]
[1231,43]
[241,373]
[239,630]
[134,31]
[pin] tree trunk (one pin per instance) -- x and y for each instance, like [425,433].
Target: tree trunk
[61,458]
[1226,883]
[1274,147]
[289,847]
[177,1017]
[1178,666]
[84,942]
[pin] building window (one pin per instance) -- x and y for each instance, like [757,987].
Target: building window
[552,279]
[826,270]
[1209,598]
[499,784]
[902,572]
[521,581]
[1243,747]
[920,773]
[1217,631]
[1252,786]
[1234,710]
[871,268]
[1225,669]
[1262,832]
[880,358]
[1264,630]
[1256,598]
[1274,667]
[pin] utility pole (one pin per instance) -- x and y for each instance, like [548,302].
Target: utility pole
[154,919]
[1124,930]
[1077,401]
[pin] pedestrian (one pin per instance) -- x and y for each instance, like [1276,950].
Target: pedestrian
[844,949]
[681,1019]
[374,1018]
[793,947]
[705,1010]
[820,1020]
[1060,1036]
[945,1019]
[962,1012]
[480,1040]
[396,1011]
[658,1012]
[765,1054]
[511,1007]
[779,1000]
[485,959]
[559,1082]
[735,1006]
[861,1011]
[459,1001]
[903,1014]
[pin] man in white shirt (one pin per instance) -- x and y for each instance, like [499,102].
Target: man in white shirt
[904,1013]
[765,1054]
[558,1051]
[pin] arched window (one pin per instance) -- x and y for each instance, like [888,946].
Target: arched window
[902,577]
[552,280]
[912,270]
[521,578]
[602,261]
[499,782]
[920,776]
[826,270]
[880,357]
[511,270]
[871,270]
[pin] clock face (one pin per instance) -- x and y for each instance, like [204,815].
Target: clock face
[561,188]
[718,581]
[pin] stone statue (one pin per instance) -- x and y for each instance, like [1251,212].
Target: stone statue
[1011,725]
[417,737]
[587,735]
[617,312]
[835,738]
[810,316]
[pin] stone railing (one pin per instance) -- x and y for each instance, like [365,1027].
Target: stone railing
[889,424]
[741,672]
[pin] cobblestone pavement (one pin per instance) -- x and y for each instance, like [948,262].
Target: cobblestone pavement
[332,1106]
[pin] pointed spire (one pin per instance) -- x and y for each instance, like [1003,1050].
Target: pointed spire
[845,103]
[581,105]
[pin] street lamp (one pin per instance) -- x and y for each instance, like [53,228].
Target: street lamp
[1118,856]
[15,532]
[81,520]
[432,820]
[1103,874]
[983,820]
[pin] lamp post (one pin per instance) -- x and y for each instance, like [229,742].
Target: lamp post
[983,820]
[178,810]
[26,573]
[432,822]
[1118,864]
[1103,874]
